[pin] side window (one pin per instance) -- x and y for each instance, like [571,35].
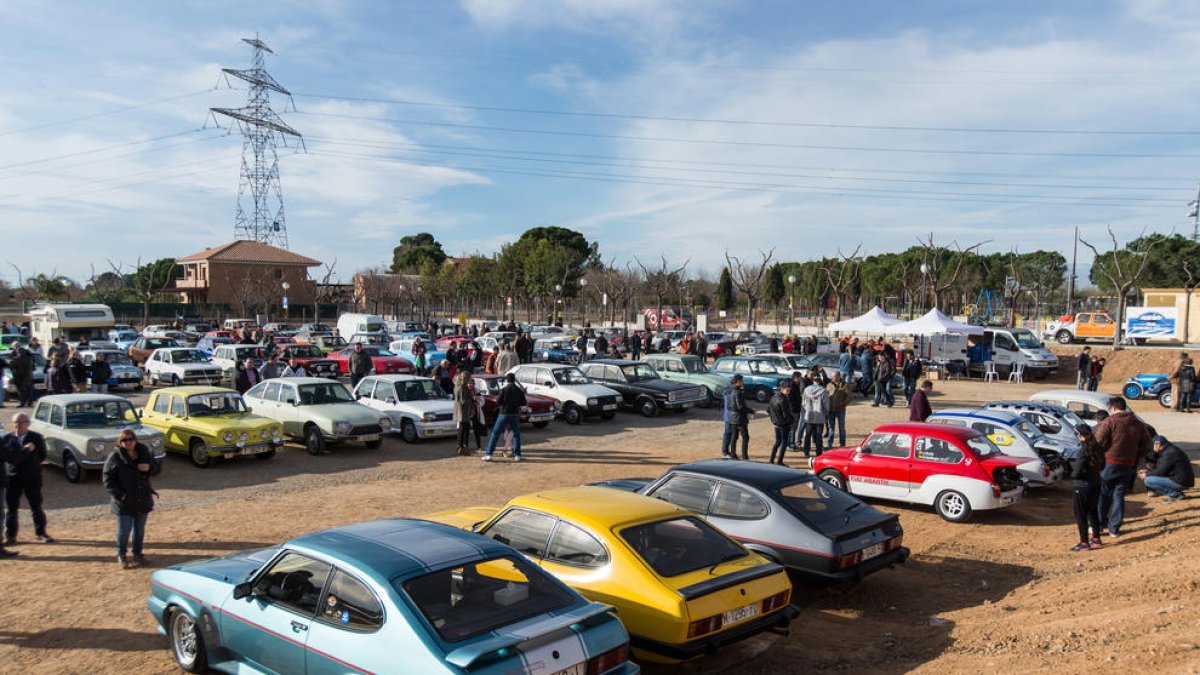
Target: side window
[1100,318]
[258,390]
[523,530]
[572,546]
[384,391]
[691,493]
[985,428]
[1084,410]
[594,372]
[674,367]
[42,414]
[1085,318]
[734,502]
[1046,423]
[741,366]
[287,394]
[351,604]
[1005,343]
[613,374]
[162,404]
[724,367]
[56,415]
[889,445]
[365,388]
[272,391]
[937,450]
[177,407]
[295,582]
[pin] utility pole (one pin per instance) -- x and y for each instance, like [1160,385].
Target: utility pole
[262,132]
[1194,214]
[1071,281]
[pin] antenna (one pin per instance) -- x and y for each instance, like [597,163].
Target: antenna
[1194,214]
[262,133]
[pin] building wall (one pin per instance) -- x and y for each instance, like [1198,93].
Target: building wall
[1177,298]
[253,284]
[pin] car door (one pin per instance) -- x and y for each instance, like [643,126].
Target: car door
[270,627]
[931,457]
[344,634]
[614,378]
[364,393]
[880,466]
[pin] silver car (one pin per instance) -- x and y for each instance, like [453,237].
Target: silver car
[317,411]
[81,430]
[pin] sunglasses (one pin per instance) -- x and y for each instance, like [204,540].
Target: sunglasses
[128,440]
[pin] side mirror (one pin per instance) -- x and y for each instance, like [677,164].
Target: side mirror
[243,590]
[864,450]
[390,399]
[547,383]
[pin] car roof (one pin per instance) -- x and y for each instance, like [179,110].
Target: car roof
[601,508]
[394,377]
[305,380]
[1099,398]
[757,474]
[928,429]
[614,362]
[999,416]
[196,389]
[400,547]
[79,398]
[1039,406]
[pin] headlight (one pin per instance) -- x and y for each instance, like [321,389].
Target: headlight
[429,417]
[264,433]
[156,441]
[243,437]
[385,423]
[342,428]
[95,447]
[557,405]
[276,433]
[593,401]
[228,437]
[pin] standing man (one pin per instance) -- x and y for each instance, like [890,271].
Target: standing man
[601,346]
[1169,471]
[912,372]
[815,410]
[359,364]
[9,452]
[77,372]
[866,363]
[796,399]
[885,369]
[507,360]
[523,347]
[1127,441]
[738,418]
[100,374]
[918,408]
[21,364]
[508,415]
[702,348]
[581,345]
[846,364]
[418,352]
[635,346]
[28,451]
[780,410]
[839,398]
[1183,381]
[271,369]
[1083,368]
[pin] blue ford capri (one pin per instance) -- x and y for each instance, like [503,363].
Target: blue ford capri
[386,596]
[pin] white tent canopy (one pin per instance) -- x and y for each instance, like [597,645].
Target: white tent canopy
[933,322]
[874,320]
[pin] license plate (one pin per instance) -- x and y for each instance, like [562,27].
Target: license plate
[739,614]
[541,418]
[609,407]
[687,405]
[577,669]
[370,437]
[872,551]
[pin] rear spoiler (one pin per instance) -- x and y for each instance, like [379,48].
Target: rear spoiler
[725,581]
[465,657]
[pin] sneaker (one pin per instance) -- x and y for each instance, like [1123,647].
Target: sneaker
[1114,533]
[516,458]
[141,560]
[486,458]
[1173,498]
[1096,543]
[9,541]
[45,539]
[123,562]
[5,553]
[1081,547]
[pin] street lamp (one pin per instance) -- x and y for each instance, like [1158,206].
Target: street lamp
[583,285]
[557,301]
[924,284]
[285,286]
[791,302]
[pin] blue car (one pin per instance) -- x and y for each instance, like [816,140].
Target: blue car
[1139,385]
[403,347]
[208,345]
[555,350]
[761,376]
[386,596]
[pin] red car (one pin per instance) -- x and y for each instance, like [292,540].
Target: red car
[954,469]
[447,341]
[541,408]
[385,362]
[313,360]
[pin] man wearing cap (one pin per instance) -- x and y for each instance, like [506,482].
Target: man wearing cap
[1168,472]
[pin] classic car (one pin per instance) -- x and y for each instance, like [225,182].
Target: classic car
[383,596]
[317,411]
[278,328]
[417,405]
[956,470]
[327,343]
[761,377]
[1052,420]
[403,348]
[226,357]
[210,422]
[495,340]
[1091,406]
[680,586]
[143,347]
[760,344]
[540,411]
[232,335]
[1138,386]
[123,338]
[783,514]
[39,373]
[641,388]
[376,339]
[1016,437]
[123,371]
[382,361]
[555,350]
[9,341]
[577,395]
[209,343]
[1162,392]
[688,369]
[179,366]
[81,430]
[312,359]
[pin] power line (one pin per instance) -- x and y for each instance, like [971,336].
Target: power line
[113,111]
[160,174]
[102,160]
[101,149]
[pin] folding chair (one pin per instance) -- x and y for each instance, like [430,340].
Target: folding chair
[1018,373]
[989,373]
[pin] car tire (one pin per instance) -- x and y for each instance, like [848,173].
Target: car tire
[762,394]
[1132,390]
[1064,337]
[952,506]
[540,425]
[72,469]
[314,440]
[408,431]
[647,407]
[198,453]
[175,382]
[709,399]
[187,642]
[265,455]
[1165,399]
[834,478]
[572,414]
[374,445]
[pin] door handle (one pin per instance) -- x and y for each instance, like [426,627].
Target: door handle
[297,627]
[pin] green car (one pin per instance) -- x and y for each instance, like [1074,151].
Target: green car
[319,411]
[688,369]
[209,422]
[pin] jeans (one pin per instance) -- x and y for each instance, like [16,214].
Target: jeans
[797,430]
[1114,485]
[883,393]
[729,443]
[1081,379]
[836,418]
[1087,511]
[782,436]
[31,488]
[51,378]
[502,422]
[1163,485]
[100,388]
[812,435]
[131,524]
[910,386]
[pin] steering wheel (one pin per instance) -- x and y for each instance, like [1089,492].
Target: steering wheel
[294,584]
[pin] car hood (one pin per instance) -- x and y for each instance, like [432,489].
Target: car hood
[187,367]
[233,568]
[439,407]
[588,390]
[663,386]
[246,422]
[355,413]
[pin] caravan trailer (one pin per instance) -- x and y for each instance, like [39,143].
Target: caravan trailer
[70,322]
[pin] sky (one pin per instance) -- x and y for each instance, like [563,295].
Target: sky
[680,128]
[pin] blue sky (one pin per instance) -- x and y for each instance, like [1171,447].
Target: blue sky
[706,125]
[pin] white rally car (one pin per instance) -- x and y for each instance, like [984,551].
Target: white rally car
[417,405]
[578,395]
[179,366]
[1016,437]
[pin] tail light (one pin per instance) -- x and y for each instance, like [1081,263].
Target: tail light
[996,491]
[775,602]
[608,660]
[704,626]
[1045,469]
[849,560]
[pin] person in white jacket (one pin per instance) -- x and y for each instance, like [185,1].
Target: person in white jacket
[814,408]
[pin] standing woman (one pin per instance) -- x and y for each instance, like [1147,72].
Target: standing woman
[127,480]
[1085,474]
[464,410]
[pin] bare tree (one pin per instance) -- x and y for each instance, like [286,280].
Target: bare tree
[941,265]
[841,274]
[106,287]
[322,291]
[747,279]
[1122,268]
[250,290]
[146,283]
[663,282]
[1189,285]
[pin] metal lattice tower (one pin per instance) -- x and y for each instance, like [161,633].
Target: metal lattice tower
[262,133]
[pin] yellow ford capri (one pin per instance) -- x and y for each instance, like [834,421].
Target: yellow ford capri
[681,587]
[210,422]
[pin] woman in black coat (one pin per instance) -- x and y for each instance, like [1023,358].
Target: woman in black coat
[127,475]
[1085,474]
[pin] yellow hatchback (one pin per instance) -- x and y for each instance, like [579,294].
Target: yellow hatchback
[681,587]
[210,422]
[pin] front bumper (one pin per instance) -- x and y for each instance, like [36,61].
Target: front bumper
[228,451]
[709,644]
[437,429]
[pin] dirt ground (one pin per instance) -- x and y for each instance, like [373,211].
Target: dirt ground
[1000,593]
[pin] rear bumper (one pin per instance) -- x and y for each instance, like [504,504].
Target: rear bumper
[896,556]
[711,643]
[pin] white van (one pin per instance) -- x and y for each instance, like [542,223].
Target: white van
[350,324]
[1007,347]
[70,322]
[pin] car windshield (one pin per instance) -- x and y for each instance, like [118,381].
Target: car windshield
[488,385]
[126,335]
[1029,430]
[639,372]
[825,360]
[799,362]
[188,356]
[693,366]
[419,390]
[1027,340]
[324,392]
[117,359]
[255,353]
[681,545]
[202,405]
[156,343]
[570,376]
[817,503]
[376,351]
[983,446]
[100,414]
[484,596]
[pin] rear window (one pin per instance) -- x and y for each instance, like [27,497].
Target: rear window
[821,505]
[681,545]
[478,597]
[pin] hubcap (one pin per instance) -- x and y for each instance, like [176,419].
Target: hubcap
[953,505]
[185,638]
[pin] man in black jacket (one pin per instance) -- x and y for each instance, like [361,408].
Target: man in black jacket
[508,414]
[9,452]
[1170,471]
[780,410]
[25,478]
[100,372]
[737,415]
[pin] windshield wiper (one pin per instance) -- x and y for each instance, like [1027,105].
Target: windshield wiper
[850,508]
[724,559]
